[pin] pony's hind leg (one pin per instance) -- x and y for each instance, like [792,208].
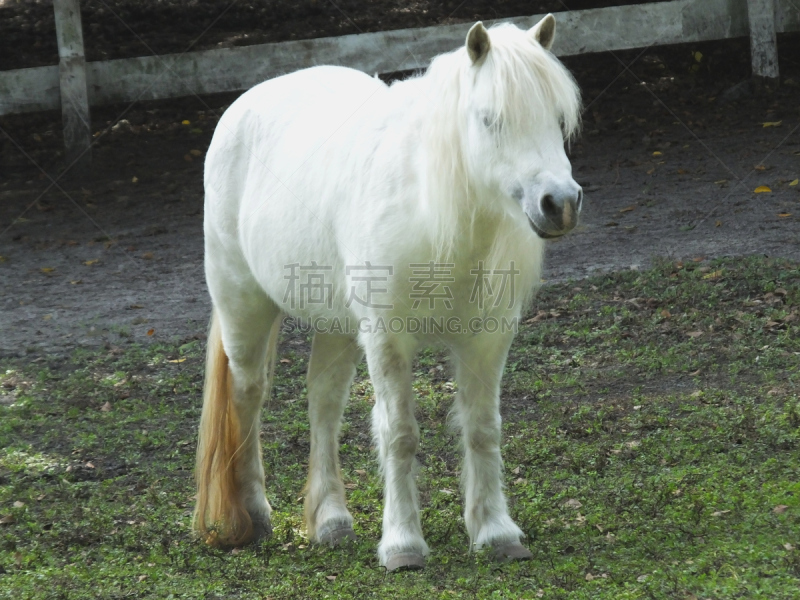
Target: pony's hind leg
[330,373]
[479,367]
[232,508]
[397,436]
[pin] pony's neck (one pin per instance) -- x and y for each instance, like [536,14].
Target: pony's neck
[448,201]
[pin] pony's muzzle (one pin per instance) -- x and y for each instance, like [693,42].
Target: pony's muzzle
[558,211]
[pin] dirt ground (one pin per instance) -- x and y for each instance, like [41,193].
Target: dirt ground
[670,156]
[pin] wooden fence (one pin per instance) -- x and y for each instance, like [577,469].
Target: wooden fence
[75,85]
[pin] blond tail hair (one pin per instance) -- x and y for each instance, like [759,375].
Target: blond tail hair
[220,517]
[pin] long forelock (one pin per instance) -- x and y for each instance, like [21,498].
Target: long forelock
[529,83]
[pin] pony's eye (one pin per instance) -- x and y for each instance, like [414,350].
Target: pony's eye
[492,122]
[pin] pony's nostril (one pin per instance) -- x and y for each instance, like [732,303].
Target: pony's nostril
[549,205]
[579,203]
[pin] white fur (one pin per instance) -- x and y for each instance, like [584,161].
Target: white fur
[330,166]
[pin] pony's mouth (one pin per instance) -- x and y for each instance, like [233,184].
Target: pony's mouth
[545,235]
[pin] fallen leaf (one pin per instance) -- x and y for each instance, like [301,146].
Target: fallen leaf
[361,472]
[516,471]
[780,509]
[589,577]
[719,513]
[134,179]
[106,407]
[771,124]
[657,153]
[520,481]
[330,577]
[47,269]
[6,519]
[350,486]
[794,183]
[141,578]
[713,275]
[76,281]
[447,491]
[694,334]
[784,215]
[18,504]
[236,551]
[788,547]
[151,331]
[696,394]
[641,578]
[628,208]
[573,503]
[762,189]
[147,256]
[286,361]
[177,360]
[666,314]
[93,261]
[698,56]
[760,168]
[651,171]
[717,223]
[195,153]
[89,465]
[186,122]
[136,306]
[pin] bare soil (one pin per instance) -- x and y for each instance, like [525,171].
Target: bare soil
[115,256]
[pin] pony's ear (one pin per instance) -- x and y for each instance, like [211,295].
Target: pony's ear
[544,31]
[478,42]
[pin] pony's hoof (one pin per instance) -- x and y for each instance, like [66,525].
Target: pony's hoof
[511,551]
[405,561]
[335,534]
[261,531]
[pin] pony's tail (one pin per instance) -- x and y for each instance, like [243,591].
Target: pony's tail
[220,517]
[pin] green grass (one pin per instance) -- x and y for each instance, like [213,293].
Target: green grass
[651,440]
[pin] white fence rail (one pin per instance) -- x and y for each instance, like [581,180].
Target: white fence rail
[231,69]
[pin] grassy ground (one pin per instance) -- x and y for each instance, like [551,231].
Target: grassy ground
[651,439]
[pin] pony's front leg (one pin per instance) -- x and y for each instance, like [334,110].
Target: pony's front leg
[330,373]
[396,435]
[479,368]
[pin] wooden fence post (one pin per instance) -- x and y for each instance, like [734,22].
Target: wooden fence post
[72,80]
[763,40]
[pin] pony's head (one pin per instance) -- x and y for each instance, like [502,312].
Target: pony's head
[515,107]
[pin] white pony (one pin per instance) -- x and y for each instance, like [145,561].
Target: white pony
[385,217]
